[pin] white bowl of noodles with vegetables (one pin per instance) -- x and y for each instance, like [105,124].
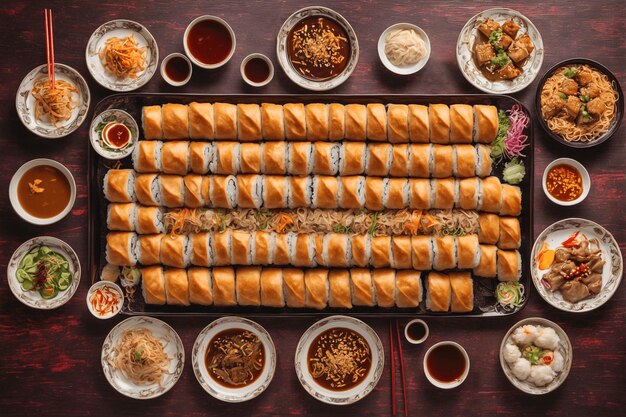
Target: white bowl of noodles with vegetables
[536,356]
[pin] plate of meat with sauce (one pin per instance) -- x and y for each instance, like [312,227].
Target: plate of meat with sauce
[339,360]
[234,359]
[499,51]
[576,265]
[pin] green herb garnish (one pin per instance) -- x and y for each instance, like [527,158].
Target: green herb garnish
[137,355]
[495,36]
[497,149]
[340,228]
[563,96]
[533,354]
[570,72]
[501,58]
[584,99]
[453,232]
[372,229]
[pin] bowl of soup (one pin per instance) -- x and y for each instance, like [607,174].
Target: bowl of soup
[209,42]
[42,191]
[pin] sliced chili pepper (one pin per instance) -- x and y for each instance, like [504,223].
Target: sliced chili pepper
[571,241]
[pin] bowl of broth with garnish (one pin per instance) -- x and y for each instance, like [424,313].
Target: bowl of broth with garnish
[42,191]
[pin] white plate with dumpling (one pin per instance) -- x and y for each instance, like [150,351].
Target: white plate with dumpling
[536,355]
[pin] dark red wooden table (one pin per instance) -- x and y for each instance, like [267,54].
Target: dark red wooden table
[50,361]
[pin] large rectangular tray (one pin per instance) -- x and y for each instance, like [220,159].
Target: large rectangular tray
[484,301]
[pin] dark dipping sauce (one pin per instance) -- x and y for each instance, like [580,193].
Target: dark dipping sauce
[416,331]
[446,363]
[564,182]
[117,135]
[256,70]
[318,48]
[209,42]
[235,358]
[339,359]
[177,69]
[43,191]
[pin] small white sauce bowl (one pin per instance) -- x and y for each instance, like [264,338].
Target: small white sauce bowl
[418,322]
[247,59]
[409,69]
[15,202]
[578,167]
[164,73]
[215,19]
[115,288]
[441,384]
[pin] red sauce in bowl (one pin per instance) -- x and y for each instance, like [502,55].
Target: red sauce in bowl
[564,182]
[209,41]
[177,69]
[257,70]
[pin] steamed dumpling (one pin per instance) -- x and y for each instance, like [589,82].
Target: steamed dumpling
[525,335]
[521,369]
[557,363]
[547,338]
[541,375]
[511,353]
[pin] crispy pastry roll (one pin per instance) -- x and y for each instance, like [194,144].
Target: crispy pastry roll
[422,252]
[224,293]
[201,121]
[462,287]
[336,250]
[486,123]
[122,216]
[468,251]
[300,158]
[119,186]
[152,121]
[250,158]
[149,220]
[340,295]
[175,121]
[120,248]
[376,122]
[240,247]
[419,123]
[175,157]
[249,191]
[401,251]
[400,161]
[374,187]
[487,265]
[352,158]
[385,286]
[511,200]
[295,121]
[509,265]
[262,247]
[510,233]
[361,249]
[421,155]
[445,253]
[225,121]
[325,158]
[223,191]
[442,161]
[300,193]
[176,287]
[274,157]
[483,160]
[397,194]
[465,162]
[200,286]
[336,121]
[293,279]
[149,249]
[439,292]
[398,123]
[172,190]
[489,228]
[153,285]
[147,156]
[352,192]
[304,251]
[275,191]
[444,192]
[272,121]
[226,158]
[381,252]
[356,122]
[176,250]
[468,193]
[222,248]
[419,193]
[461,123]
[316,121]
[201,254]
[249,122]
[362,287]
[408,288]
[490,197]
[316,288]
[282,248]
[200,156]
[325,191]
[378,159]
[193,191]
[272,294]
[439,118]
[248,285]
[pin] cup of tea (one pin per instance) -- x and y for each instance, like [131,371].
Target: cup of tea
[416,331]
[446,364]
[176,69]
[257,70]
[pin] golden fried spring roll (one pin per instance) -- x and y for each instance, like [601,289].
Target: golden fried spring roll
[408,288]
[511,200]
[381,252]
[509,265]
[174,250]
[272,121]
[465,161]
[295,121]
[226,158]
[483,160]
[374,193]
[361,249]
[419,193]
[200,286]
[300,192]
[206,191]
[336,121]
[400,161]
[272,294]
[489,228]
[300,158]
[175,121]
[401,250]
[376,122]
[487,265]
[152,122]
[352,192]
[175,157]
[510,233]
[249,122]
[172,190]
[240,247]
[462,287]
[461,123]
[439,292]
[118,185]
[468,193]
[398,123]
[282,247]
[325,191]
[176,287]
[248,285]
[149,220]
[486,123]
[146,156]
[439,119]
[275,191]
[443,190]
[153,285]
[200,243]
[352,158]
[200,155]
[225,121]
[490,198]
[223,190]
[201,121]
[362,287]
[249,191]
[421,155]
[274,159]
[120,216]
[250,158]
[222,248]
[149,249]
[293,279]
[445,253]
[316,121]
[325,158]
[442,161]
[336,250]
[378,159]
[193,191]
[224,293]
[339,289]
[304,251]
[468,251]
[316,288]
[385,286]
[262,247]
[419,126]
[356,122]
[422,252]
[397,193]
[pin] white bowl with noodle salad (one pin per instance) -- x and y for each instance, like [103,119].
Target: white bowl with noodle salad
[142,357]
[404,48]
[72,101]
[118,37]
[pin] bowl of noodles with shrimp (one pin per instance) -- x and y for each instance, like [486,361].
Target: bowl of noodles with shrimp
[579,103]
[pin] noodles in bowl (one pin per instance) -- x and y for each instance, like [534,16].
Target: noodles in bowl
[56,103]
[579,103]
[140,357]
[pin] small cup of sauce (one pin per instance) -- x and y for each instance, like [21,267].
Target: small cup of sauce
[416,331]
[42,191]
[116,135]
[566,182]
[209,42]
[176,69]
[257,70]
[446,365]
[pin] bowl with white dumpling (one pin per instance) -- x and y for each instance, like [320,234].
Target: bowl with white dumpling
[536,355]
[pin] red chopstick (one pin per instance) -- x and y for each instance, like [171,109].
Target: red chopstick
[49,47]
[393,370]
[406,410]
